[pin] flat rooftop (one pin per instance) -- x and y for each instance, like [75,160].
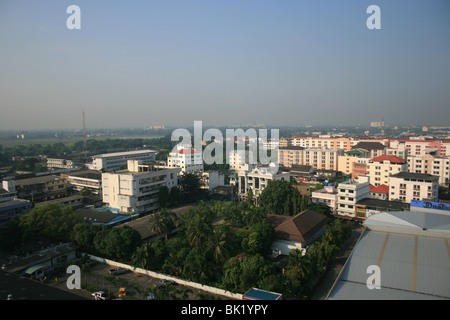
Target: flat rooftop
[124,153]
[412,250]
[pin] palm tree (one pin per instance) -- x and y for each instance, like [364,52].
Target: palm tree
[219,244]
[162,222]
[197,231]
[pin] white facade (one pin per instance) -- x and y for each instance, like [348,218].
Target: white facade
[407,186]
[349,193]
[110,161]
[437,166]
[241,160]
[136,190]
[187,159]
[327,195]
[258,178]
[212,179]
[60,163]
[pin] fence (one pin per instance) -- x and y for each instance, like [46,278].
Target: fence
[157,275]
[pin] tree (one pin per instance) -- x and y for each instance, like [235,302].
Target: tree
[162,222]
[163,196]
[52,222]
[259,241]
[197,231]
[219,244]
[276,197]
[191,187]
[143,256]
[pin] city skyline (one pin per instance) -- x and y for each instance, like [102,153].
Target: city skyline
[288,63]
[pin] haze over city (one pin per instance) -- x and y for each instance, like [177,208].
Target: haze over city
[173,62]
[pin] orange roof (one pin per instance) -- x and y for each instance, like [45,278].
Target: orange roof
[379,189]
[389,157]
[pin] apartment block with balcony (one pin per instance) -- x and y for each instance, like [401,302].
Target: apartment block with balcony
[289,156]
[136,190]
[432,164]
[185,158]
[379,169]
[408,186]
[328,195]
[349,193]
[42,188]
[116,160]
[257,180]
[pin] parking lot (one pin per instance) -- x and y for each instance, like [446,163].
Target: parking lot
[138,286]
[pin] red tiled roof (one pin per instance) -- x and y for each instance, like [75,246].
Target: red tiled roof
[390,157]
[379,189]
[186,151]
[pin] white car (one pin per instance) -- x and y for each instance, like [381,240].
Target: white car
[99,295]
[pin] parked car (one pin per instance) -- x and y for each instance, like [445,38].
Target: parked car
[99,295]
[165,282]
[117,271]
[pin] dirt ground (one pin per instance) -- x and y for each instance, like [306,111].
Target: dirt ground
[137,285]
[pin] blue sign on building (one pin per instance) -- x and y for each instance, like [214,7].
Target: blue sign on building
[430,205]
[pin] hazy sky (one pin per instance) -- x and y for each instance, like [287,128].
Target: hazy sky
[281,62]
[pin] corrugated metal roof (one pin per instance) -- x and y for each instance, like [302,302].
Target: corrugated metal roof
[412,265]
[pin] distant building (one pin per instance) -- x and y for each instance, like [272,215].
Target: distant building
[241,160]
[61,163]
[408,186]
[211,179]
[289,156]
[116,160]
[42,188]
[187,159]
[89,179]
[10,205]
[136,190]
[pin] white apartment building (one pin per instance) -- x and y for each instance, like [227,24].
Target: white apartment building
[434,165]
[136,190]
[328,195]
[187,159]
[321,159]
[349,193]
[407,186]
[379,169]
[258,178]
[212,179]
[115,160]
[60,163]
[421,147]
[90,179]
[239,160]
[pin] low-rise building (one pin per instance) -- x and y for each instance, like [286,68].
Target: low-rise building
[116,160]
[42,188]
[257,180]
[349,193]
[296,232]
[89,179]
[380,192]
[328,195]
[61,163]
[136,190]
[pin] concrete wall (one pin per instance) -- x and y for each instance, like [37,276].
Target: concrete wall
[157,275]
